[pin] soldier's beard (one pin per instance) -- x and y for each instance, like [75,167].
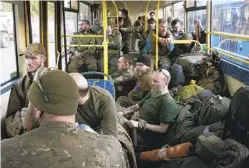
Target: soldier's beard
[157,91]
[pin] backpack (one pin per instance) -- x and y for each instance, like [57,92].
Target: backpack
[212,110]
[177,75]
[237,119]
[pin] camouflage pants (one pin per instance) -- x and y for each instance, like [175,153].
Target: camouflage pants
[83,63]
[124,101]
[127,147]
[164,61]
[112,64]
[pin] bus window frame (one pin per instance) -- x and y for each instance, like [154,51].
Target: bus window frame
[6,86]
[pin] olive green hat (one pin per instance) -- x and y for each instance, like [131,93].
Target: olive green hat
[55,92]
[34,49]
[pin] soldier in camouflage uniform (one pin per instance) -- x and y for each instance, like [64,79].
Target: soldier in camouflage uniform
[126,33]
[114,47]
[125,77]
[84,58]
[143,86]
[35,55]
[57,142]
[164,39]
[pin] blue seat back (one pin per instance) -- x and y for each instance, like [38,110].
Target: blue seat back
[106,84]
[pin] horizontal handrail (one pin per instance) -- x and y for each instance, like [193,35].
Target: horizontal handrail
[185,42]
[75,45]
[83,35]
[230,35]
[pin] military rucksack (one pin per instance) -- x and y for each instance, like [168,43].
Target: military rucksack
[212,110]
[237,119]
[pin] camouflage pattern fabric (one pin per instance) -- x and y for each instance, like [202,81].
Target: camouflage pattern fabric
[127,146]
[15,123]
[60,144]
[18,101]
[124,101]
[124,75]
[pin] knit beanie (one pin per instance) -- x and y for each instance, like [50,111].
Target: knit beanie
[55,92]
[145,59]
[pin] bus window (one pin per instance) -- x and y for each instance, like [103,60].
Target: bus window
[35,21]
[8,43]
[84,12]
[231,17]
[179,13]
[192,16]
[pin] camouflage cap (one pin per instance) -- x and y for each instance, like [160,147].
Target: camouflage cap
[55,92]
[34,49]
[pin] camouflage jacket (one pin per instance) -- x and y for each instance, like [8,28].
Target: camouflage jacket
[82,41]
[61,144]
[142,87]
[18,102]
[162,49]
[122,76]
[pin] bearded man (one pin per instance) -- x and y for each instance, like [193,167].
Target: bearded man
[157,112]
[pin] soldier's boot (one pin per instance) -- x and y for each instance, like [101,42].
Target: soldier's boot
[170,152]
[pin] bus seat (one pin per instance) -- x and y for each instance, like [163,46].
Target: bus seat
[106,84]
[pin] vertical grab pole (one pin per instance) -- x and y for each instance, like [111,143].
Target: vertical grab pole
[117,11]
[157,27]
[208,38]
[146,15]
[105,43]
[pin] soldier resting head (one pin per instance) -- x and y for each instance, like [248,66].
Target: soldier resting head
[96,107]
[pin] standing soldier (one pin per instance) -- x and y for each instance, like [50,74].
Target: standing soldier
[126,33]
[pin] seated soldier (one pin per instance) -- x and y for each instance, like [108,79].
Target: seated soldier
[176,29]
[157,112]
[84,58]
[145,35]
[96,107]
[124,79]
[55,141]
[114,47]
[143,86]
[164,38]
[35,55]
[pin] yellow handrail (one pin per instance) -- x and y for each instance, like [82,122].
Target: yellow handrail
[116,8]
[230,35]
[230,56]
[83,45]
[208,23]
[146,15]
[157,31]
[83,35]
[105,42]
[185,42]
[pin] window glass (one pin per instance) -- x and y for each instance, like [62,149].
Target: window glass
[160,13]
[84,12]
[193,16]
[35,20]
[51,34]
[7,45]
[231,17]
[168,11]
[74,4]
[179,12]
[190,3]
[71,28]
[201,3]
[67,3]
